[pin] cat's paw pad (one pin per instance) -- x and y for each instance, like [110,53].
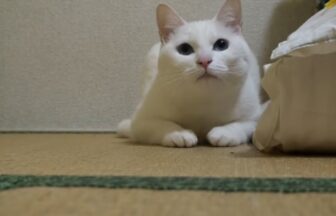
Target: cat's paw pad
[226,136]
[182,139]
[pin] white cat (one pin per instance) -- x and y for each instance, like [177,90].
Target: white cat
[202,83]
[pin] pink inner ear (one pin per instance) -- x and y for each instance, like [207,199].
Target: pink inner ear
[169,27]
[237,27]
[230,15]
[167,20]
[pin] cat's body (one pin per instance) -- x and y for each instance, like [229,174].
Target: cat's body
[202,83]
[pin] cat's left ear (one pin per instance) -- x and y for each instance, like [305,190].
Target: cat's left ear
[167,20]
[230,14]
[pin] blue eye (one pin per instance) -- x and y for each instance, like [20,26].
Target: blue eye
[221,44]
[185,49]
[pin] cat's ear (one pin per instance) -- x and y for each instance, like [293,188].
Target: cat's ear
[230,14]
[167,20]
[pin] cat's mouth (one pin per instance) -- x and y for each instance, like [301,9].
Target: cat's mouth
[206,76]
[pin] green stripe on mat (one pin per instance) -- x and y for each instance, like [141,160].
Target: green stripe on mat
[275,185]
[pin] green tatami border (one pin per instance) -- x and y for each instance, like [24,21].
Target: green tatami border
[273,185]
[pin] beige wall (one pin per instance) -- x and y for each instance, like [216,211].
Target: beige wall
[74,65]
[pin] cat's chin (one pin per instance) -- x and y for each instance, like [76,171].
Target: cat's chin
[207,77]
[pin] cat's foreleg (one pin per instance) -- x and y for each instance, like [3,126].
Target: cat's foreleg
[232,134]
[162,132]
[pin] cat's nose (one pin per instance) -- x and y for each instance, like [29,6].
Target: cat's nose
[204,62]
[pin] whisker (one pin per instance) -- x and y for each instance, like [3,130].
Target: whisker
[171,78]
[190,70]
[171,81]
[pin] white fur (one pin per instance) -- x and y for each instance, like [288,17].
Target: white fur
[180,109]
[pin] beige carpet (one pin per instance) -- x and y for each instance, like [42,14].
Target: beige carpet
[104,154]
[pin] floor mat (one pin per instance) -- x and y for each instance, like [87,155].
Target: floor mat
[100,174]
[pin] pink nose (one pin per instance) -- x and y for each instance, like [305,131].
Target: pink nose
[204,62]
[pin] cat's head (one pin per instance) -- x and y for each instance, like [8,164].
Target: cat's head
[204,50]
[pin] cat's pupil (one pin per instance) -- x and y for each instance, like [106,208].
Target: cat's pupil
[221,44]
[185,49]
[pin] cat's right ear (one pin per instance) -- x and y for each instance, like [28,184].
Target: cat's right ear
[167,20]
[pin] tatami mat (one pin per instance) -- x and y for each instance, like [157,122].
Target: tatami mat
[104,155]
[84,202]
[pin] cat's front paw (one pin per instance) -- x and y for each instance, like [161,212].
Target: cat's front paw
[124,128]
[226,136]
[182,139]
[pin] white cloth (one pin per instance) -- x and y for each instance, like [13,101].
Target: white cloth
[316,36]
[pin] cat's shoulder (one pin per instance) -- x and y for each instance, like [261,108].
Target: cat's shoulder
[151,66]
[154,51]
